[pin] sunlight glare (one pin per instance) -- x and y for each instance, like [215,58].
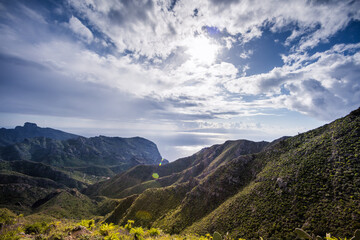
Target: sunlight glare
[202,50]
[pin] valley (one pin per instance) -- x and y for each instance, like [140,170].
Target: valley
[240,189]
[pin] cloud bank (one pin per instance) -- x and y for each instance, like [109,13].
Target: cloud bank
[181,64]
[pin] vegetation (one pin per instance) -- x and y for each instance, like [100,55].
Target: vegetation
[7,217]
[154,232]
[20,228]
[89,224]
[295,187]
[102,156]
[36,228]
[35,162]
[129,224]
[139,178]
[137,232]
[310,181]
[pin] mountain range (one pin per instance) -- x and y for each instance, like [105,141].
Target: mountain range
[248,189]
[36,161]
[241,188]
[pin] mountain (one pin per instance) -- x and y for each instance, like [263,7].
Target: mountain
[247,189]
[32,169]
[101,156]
[243,188]
[22,183]
[40,171]
[199,165]
[31,130]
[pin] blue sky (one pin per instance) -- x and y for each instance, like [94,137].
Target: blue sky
[184,74]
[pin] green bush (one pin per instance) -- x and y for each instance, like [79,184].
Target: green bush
[105,229]
[56,236]
[40,237]
[85,237]
[112,236]
[89,224]
[138,233]
[7,217]
[128,226]
[154,232]
[36,228]
[10,235]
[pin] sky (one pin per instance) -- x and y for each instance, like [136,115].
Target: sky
[185,74]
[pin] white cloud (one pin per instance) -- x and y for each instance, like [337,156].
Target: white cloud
[324,85]
[80,29]
[182,89]
[170,76]
[136,19]
[246,54]
[148,28]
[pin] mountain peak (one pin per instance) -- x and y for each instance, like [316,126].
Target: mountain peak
[30,125]
[31,130]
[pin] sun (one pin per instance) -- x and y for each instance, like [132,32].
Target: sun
[202,50]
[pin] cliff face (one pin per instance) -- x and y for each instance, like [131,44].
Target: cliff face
[116,154]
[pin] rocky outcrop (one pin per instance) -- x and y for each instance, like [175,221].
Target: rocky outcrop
[31,130]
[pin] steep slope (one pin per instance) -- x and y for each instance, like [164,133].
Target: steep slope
[69,204]
[22,183]
[140,178]
[310,181]
[182,184]
[154,203]
[40,170]
[19,192]
[31,130]
[210,192]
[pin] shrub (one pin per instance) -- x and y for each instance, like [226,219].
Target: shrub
[154,232]
[84,237]
[208,236]
[203,238]
[7,217]
[56,236]
[35,228]
[89,224]
[106,228]
[10,235]
[128,226]
[138,233]
[112,236]
[40,237]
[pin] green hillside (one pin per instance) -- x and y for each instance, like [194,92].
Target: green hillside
[32,168]
[309,181]
[67,204]
[140,178]
[241,189]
